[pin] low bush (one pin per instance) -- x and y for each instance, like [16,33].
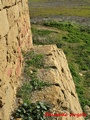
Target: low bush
[33,111]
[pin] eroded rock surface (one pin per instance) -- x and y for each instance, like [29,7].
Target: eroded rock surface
[62,93]
[15,36]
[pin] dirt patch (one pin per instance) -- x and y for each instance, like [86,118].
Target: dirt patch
[80,20]
[40,27]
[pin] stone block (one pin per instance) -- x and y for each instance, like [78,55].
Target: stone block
[13,14]
[4,25]
[9,96]
[3,54]
[1,6]
[18,68]
[14,29]
[18,1]
[20,8]
[12,35]
[24,6]
[8,3]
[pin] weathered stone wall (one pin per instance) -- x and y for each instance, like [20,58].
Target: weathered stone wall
[62,92]
[15,36]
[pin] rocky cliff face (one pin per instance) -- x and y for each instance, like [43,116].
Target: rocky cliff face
[62,93]
[15,36]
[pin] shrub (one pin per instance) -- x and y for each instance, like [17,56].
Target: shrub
[33,111]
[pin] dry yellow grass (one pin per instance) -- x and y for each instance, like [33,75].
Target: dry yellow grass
[83,11]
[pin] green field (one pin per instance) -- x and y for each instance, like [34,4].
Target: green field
[83,11]
[45,8]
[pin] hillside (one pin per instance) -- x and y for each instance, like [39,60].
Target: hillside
[66,24]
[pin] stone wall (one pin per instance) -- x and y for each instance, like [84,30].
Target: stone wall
[15,37]
[61,95]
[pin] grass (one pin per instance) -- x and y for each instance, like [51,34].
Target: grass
[83,11]
[36,61]
[45,8]
[33,62]
[44,33]
[75,41]
[29,110]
